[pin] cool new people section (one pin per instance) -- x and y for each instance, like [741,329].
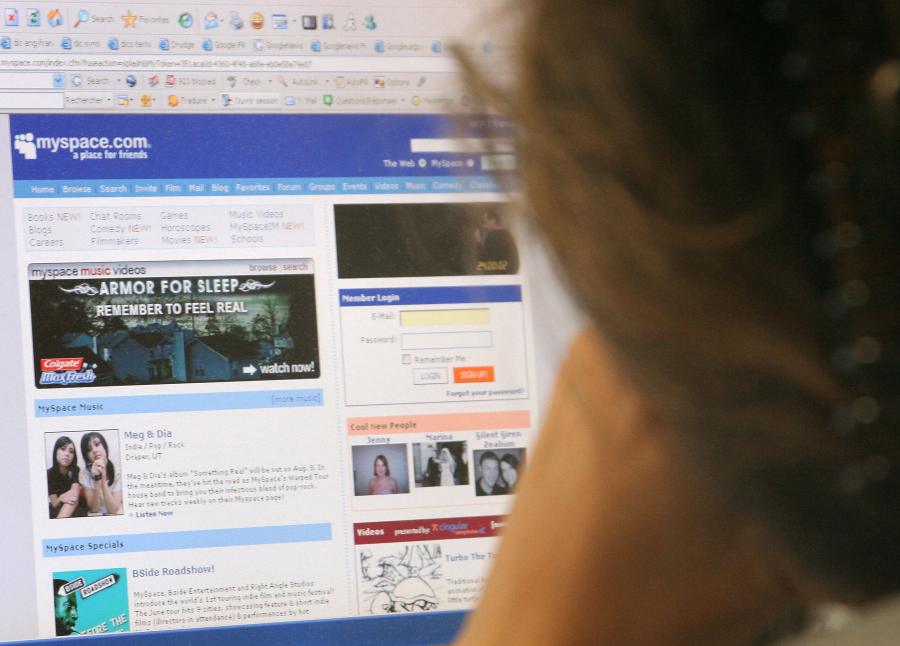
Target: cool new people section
[277,368]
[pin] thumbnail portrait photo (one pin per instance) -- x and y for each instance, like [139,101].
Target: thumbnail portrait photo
[91,602]
[84,473]
[380,469]
[498,471]
[440,464]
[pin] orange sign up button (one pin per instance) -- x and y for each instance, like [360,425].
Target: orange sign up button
[473,375]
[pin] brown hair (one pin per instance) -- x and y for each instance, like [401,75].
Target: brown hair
[680,159]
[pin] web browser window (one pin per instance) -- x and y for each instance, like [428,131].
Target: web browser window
[272,359]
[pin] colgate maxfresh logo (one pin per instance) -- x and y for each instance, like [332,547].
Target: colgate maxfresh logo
[62,364]
[82,148]
[66,371]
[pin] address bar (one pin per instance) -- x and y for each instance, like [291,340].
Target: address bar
[200,63]
[28,81]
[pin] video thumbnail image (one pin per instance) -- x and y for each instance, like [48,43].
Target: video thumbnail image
[91,602]
[407,240]
[401,578]
[171,322]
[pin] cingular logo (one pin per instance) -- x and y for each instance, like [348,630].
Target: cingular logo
[83,148]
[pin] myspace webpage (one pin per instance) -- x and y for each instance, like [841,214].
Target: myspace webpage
[277,368]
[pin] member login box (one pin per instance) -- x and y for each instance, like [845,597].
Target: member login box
[473,351]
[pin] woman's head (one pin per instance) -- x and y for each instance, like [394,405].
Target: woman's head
[447,458]
[509,468]
[94,448]
[381,467]
[722,198]
[64,456]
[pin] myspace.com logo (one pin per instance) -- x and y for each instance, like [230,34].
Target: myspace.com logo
[83,148]
[26,146]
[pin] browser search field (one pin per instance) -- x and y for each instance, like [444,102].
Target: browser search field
[464,145]
[32,101]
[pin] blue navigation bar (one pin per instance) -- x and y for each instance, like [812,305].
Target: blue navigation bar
[430,295]
[126,405]
[204,187]
[130,146]
[187,540]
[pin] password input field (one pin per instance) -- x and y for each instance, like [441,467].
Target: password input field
[422,318]
[445,340]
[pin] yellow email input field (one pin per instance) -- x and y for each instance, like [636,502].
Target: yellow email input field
[423,318]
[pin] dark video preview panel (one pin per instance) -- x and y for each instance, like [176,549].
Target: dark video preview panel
[423,240]
[172,322]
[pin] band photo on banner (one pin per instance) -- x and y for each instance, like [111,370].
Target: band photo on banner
[173,322]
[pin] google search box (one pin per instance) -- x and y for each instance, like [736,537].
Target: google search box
[464,146]
[32,101]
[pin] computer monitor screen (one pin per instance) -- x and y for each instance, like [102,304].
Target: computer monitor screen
[273,369]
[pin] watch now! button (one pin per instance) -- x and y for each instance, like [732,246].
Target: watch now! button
[473,375]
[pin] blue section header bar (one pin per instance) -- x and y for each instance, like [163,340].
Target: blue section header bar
[160,541]
[130,146]
[126,405]
[204,187]
[430,295]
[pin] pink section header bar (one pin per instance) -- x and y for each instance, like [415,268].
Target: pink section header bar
[446,423]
